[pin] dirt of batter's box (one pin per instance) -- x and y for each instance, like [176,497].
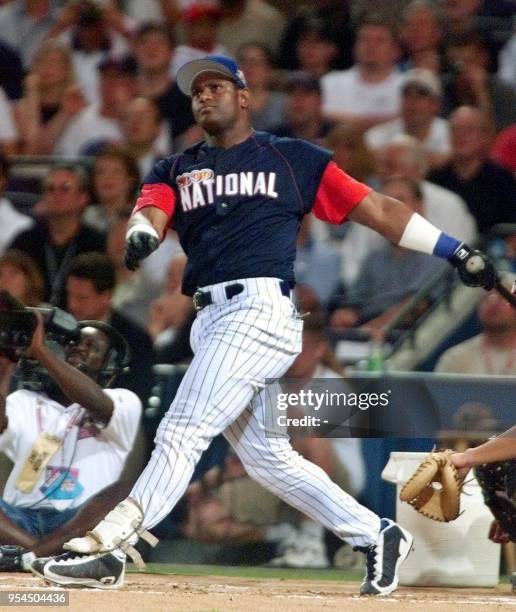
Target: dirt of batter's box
[151,592]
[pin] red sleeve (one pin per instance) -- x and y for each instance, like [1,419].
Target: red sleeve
[159,195]
[337,195]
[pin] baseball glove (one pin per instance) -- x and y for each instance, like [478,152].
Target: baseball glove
[441,502]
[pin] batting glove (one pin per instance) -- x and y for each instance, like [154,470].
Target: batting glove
[140,241]
[474,267]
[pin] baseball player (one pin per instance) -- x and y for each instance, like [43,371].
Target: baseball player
[236,200]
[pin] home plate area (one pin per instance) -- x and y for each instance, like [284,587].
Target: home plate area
[194,588]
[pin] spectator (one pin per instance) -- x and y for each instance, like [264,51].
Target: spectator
[491,18]
[162,11]
[201,24]
[317,48]
[20,276]
[267,105]
[468,82]
[12,222]
[95,32]
[90,430]
[487,189]
[24,24]
[304,118]
[154,48]
[388,276]
[420,105]
[141,129]
[503,151]
[493,351]
[90,284]
[60,234]
[12,72]
[8,131]
[369,92]
[115,180]
[421,35]
[51,99]
[249,20]
[318,38]
[98,123]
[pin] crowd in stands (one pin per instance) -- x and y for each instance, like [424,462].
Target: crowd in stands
[416,98]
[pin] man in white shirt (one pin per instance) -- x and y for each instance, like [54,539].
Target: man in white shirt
[369,92]
[99,123]
[420,105]
[68,439]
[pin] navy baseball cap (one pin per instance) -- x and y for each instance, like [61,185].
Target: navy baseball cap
[187,74]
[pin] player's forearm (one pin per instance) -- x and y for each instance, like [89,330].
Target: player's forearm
[150,216]
[400,224]
[76,386]
[501,448]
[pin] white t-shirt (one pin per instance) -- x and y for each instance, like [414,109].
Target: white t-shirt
[89,126]
[12,223]
[437,141]
[90,459]
[345,92]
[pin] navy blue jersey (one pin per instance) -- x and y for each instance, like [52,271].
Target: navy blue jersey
[237,211]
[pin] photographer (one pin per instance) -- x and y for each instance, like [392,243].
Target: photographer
[68,438]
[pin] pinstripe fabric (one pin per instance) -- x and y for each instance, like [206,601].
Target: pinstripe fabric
[238,345]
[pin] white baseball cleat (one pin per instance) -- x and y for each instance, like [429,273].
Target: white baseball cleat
[120,529]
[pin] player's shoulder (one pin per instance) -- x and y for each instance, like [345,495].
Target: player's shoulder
[293,147]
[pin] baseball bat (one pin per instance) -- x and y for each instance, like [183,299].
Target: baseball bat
[475,264]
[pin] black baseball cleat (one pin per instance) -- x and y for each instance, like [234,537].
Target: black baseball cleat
[384,558]
[98,571]
[14,558]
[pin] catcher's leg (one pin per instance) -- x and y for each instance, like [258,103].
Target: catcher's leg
[497,481]
[271,461]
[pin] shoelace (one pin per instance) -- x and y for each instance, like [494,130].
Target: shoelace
[370,553]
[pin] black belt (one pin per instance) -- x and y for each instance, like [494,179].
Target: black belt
[201,299]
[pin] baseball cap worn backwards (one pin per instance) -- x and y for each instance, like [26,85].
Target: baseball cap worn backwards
[226,66]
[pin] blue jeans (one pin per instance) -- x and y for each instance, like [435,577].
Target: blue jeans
[37,521]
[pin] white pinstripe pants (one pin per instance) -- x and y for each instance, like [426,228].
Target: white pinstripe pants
[239,344]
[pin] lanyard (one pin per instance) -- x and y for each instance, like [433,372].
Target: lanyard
[57,272]
[70,423]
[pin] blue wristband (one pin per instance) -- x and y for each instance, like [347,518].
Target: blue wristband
[446,246]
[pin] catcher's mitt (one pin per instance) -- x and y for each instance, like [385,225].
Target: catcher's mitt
[441,503]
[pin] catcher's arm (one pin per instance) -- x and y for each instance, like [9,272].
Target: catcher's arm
[501,448]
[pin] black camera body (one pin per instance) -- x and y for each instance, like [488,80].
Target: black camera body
[18,324]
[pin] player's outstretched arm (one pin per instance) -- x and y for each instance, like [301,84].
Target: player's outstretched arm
[400,224]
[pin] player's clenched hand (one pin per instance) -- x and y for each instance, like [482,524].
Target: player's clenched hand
[140,241]
[474,267]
